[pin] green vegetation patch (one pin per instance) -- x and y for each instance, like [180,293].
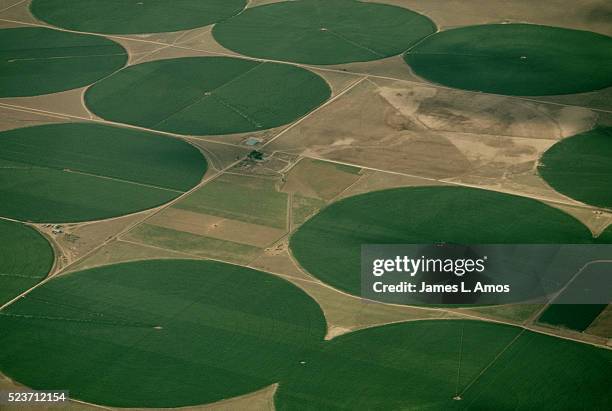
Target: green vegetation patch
[329,244]
[606,236]
[160,333]
[207,95]
[134,16]
[424,364]
[581,167]
[197,245]
[576,317]
[515,59]
[25,259]
[323,31]
[592,285]
[37,60]
[250,199]
[77,171]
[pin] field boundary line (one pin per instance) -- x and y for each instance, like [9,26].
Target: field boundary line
[355,44]
[208,140]
[66,117]
[306,66]
[516,337]
[207,93]
[63,57]
[22,276]
[534,317]
[11,6]
[91,404]
[460,359]
[460,184]
[315,110]
[120,180]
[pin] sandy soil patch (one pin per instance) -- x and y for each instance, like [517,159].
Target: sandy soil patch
[118,251]
[319,179]
[217,227]
[602,325]
[593,15]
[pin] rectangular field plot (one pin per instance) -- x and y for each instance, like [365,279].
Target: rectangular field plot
[574,316]
[591,284]
[232,218]
[196,245]
[248,199]
[602,326]
[314,183]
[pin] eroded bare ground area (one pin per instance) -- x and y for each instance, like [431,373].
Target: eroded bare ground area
[382,128]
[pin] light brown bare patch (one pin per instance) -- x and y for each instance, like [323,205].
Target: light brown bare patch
[217,227]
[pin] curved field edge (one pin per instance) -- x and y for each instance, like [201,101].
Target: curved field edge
[208,95]
[319,40]
[580,167]
[75,15]
[159,333]
[479,58]
[328,246]
[448,364]
[26,258]
[72,172]
[69,60]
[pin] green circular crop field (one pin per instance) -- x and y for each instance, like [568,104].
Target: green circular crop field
[207,95]
[515,59]
[25,259]
[329,245]
[160,333]
[581,167]
[134,16]
[323,31]
[37,60]
[77,171]
[424,364]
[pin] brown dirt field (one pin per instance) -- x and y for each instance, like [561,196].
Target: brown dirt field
[376,180]
[319,179]
[346,313]
[160,238]
[218,155]
[434,133]
[15,10]
[15,118]
[276,259]
[596,221]
[69,101]
[217,227]
[593,15]
[79,239]
[118,251]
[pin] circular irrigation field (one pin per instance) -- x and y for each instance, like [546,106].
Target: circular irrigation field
[37,60]
[77,172]
[134,16]
[515,59]
[160,333]
[424,364]
[581,167]
[207,95]
[329,245]
[25,259]
[323,32]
